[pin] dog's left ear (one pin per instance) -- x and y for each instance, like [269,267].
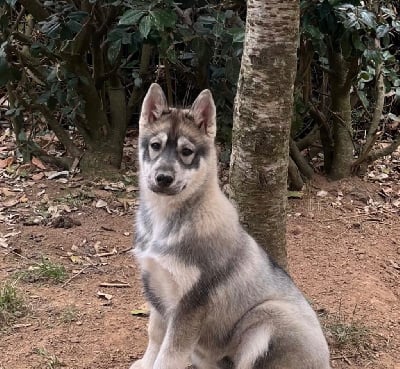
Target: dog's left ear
[203,110]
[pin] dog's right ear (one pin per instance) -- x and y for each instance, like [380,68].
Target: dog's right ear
[153,105]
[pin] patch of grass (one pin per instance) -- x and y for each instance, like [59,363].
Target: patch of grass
[70,314]
[11,303]
[46,270]
[347,332]
[76,199]
[51,360]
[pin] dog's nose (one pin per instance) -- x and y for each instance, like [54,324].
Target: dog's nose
[164,180]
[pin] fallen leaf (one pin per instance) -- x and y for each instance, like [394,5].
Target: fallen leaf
[140,312]
[4,163]
[322,193]
[295,194]
[10,203]
[104,295]
[37,176]
[6,192]
[3,243]
[23,199]
[76,259]
[101,204]
[38,163]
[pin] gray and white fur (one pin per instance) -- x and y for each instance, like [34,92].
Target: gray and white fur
[217,300]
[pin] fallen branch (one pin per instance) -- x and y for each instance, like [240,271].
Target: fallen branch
[75,275]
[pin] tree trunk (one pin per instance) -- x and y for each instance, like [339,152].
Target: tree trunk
[262,117]
[340,82]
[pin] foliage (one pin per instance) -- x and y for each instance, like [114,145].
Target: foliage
[46,270]
[350,44]
[87,64]
[11,303]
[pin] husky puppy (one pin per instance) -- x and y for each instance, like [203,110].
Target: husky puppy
[217,299]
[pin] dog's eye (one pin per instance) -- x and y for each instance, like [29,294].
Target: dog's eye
[155,146]
[186,152]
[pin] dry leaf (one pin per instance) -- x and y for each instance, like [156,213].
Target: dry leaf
[76,259]
[37,176]
[104,295]
[6,192]
[4,163]
[23,199]
[101,204]
[10,203]
[140,312]
[38,163]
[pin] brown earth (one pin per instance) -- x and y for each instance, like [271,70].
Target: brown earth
[344,253]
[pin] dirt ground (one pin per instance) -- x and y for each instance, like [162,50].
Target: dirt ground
[343,247]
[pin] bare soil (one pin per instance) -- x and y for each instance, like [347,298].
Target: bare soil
[344,254]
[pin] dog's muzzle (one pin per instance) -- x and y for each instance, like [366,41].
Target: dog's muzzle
[163,183]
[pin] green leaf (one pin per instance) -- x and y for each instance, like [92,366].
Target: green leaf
[382,30]
[113,51]
[237,34]
[388,12]
[131,17]
[365,76]
[368,18]
[363,98]
[355,38]
[163,19]
[145,26]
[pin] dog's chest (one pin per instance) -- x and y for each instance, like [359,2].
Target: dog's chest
[168,277]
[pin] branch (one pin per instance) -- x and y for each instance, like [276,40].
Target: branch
[379,102]
[28,41]
[296,182]
[376,154]
[320,117]
[308,140]
[352,71]
[58,130]
[298,158]
[35,8]
[137,92]
[19,16]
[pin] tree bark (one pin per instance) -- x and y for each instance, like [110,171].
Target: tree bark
[262,118]
[340,81]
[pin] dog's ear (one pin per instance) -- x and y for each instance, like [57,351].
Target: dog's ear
[203,110]
[153,105]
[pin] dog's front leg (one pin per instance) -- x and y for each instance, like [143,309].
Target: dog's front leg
[181,337]
[156,331]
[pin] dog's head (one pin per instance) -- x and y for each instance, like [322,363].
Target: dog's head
[176,146]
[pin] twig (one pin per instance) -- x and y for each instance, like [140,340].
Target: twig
[75,275]
[116,285]
[344,357]
[340,218]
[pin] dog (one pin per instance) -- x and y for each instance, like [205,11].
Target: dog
[217,300]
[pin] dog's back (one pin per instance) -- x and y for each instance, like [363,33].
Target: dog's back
[217,299]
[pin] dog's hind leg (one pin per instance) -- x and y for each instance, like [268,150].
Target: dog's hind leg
[156,331]
[254,343]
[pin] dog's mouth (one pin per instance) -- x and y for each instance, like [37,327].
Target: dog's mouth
[167,191]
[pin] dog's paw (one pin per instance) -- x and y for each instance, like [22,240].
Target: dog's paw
[138,365]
